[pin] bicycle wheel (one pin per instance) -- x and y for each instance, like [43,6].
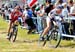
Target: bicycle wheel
[14,34]
[41,40]
[10,35]
[54,39]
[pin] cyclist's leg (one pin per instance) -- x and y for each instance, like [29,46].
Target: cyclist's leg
[48,27]
[10,26]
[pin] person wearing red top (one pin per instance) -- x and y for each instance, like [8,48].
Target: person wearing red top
[14,18]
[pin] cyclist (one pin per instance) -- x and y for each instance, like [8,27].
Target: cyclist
[50,18]
[14,18]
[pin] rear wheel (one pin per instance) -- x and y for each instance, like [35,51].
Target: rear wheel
[41,40]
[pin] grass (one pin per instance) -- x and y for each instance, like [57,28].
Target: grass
[28,43]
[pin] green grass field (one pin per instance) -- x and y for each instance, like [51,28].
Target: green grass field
[28,43]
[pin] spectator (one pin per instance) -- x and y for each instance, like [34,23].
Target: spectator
[65,24]
[53,1]
[3,9]
[64,1]
[28,19]
[0,12]
[6,12]
[72,13]
[65,10]
[59,2]
[35,17]
[40,15]
[49,7]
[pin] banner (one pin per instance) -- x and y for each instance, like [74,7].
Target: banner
[23,1]
[31,2]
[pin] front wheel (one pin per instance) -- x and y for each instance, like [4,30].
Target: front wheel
[41,41]
[13,35]
[54,39]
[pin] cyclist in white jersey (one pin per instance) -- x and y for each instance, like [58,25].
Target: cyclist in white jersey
[51,17]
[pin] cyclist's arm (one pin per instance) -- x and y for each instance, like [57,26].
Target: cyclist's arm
[50,15]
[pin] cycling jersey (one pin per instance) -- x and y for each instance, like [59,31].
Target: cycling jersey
[15,15]
[53,13]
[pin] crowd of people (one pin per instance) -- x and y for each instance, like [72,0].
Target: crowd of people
[38,18]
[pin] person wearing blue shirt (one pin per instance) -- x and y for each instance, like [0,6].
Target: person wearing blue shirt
[28,19]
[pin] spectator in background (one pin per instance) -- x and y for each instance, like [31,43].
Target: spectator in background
[28,19]
[59,2]
[3,9]
[65,10]
[6,12]
[10,9]
[53,1]
[49,6]
[0,12]
[40,15]
[72,13]
[64,1]
[35,17]
[34,13]
[65,25]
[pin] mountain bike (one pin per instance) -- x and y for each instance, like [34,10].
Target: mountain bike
[53,38]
